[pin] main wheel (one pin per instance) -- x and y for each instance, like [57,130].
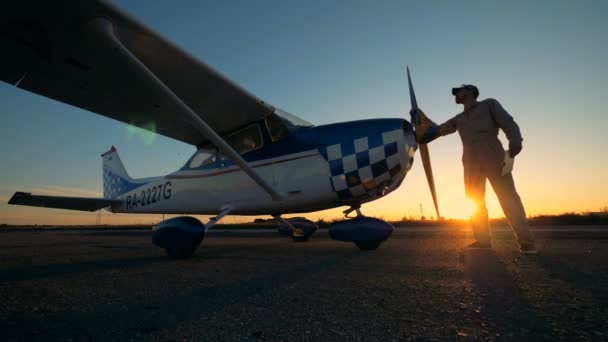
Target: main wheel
[303,229]
[301,238]
[368,245]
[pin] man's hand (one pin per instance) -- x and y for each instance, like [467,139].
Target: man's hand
[415,115]
[514,148]
[425,129]
[419,118]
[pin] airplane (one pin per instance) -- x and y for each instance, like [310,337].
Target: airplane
[252,158]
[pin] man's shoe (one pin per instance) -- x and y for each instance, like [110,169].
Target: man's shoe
[527,248]
[479,245]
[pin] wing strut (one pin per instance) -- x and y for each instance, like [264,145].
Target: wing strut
[102,27]
[218,217]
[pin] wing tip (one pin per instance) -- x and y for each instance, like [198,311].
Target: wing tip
[17,196]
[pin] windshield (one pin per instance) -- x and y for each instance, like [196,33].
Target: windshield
[280,124]
[292,119]
[278,128]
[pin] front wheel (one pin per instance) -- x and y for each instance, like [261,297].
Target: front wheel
[368,245]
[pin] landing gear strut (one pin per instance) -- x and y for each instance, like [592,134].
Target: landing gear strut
[299,228]
[356,209]
[366,232]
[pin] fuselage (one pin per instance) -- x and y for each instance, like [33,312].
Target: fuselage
[314,168]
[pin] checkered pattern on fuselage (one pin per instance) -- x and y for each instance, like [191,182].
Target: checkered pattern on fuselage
[364,164]
[114,185]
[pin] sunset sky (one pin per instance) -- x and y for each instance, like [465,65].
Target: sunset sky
[326,62]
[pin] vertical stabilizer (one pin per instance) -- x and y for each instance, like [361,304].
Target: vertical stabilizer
[116,180]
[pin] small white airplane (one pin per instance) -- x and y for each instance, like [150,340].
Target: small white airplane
[251,159]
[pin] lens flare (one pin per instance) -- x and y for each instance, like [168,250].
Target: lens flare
[456,205]
[147,132]
[468,207]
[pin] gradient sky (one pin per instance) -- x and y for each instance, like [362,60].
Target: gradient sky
[345,60]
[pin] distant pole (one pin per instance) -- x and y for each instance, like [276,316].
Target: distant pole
[421,214]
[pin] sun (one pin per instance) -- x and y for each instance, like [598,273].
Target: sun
[456,205]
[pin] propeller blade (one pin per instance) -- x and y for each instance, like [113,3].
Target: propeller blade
[428,170]
[424,150]
[412,94]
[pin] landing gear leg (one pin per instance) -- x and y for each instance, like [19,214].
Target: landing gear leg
[301,229]
[356,209]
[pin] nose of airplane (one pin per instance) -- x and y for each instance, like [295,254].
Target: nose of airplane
[410,143]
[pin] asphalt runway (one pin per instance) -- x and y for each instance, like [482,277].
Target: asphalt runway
[115,285]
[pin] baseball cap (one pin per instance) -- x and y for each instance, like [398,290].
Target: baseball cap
[468,87]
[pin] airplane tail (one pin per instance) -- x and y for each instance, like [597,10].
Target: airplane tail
[116,180]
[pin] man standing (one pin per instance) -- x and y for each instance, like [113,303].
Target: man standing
[483,158]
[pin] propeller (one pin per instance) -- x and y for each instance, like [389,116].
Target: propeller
[424,149]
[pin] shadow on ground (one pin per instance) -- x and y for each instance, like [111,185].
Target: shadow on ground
[502,302]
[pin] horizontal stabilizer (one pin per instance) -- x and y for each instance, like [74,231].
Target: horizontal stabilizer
[61,202]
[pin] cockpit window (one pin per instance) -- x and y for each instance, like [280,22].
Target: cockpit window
[203,157]
[246,140]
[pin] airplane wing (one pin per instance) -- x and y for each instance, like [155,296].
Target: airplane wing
[61,202]
[48,49]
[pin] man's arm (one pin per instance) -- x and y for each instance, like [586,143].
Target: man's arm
[506,122]
[448,127]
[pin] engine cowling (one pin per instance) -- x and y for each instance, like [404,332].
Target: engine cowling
[365,232]
[179,236]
